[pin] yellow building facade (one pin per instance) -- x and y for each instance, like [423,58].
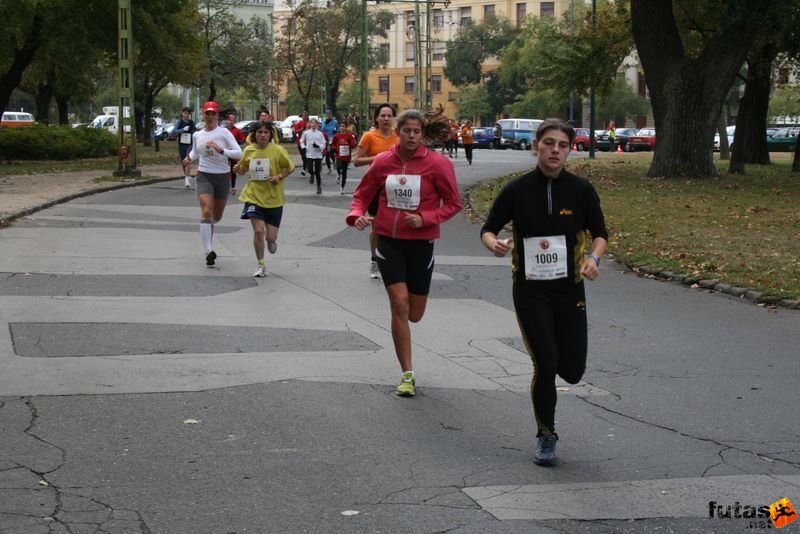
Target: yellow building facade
[406,46]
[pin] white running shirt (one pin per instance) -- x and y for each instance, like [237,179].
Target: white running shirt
[212,161]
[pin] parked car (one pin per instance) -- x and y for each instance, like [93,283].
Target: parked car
[246,126]
[621,140]
[481,138]
[288,122]
[645,139]
[518,133]
[730,130]
[782,140]
[16,119]
[581,139]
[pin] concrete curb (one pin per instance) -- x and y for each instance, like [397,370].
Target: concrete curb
[8,219]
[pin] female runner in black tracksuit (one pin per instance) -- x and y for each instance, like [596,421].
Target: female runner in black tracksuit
[551,210]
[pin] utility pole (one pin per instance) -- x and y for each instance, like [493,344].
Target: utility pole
[364,69]
[428,57]
[126,125]
[591,92]
[418,56]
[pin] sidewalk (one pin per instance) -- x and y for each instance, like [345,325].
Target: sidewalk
[24,194]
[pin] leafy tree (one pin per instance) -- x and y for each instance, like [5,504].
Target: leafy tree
[473,102]
[688,81]
[349,100]
[570,55]
[778,36]
[750,143]
[22,36]
[785,102]
[238,53]
[168,51]
[474,44]
[620,102]
[537,103]
[322,47]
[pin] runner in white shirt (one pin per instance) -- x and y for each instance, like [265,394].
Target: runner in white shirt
[313,141]
[213,146]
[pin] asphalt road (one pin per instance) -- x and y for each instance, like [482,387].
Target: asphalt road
[142,392]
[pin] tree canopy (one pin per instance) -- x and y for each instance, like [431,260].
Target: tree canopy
[688,81]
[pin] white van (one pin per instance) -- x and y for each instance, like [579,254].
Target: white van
[518,133]
[108,122]
[16,119]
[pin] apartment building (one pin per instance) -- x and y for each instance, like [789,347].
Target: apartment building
[397,83]
[406,45]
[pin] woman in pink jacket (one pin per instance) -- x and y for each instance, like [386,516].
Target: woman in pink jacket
[418,192]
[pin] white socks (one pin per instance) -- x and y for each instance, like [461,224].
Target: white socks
[206,233]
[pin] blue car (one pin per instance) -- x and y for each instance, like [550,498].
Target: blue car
[482,138]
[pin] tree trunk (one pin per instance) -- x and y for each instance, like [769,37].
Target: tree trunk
[796,160]
[212,90]
[43,97]
[724,148]
[750,139]
[686,94]
[62,102]
[22,58]
[332,93]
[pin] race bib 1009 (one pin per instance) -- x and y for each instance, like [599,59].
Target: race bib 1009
[545,257]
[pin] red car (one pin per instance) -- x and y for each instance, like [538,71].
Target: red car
[581,142]
[645,139]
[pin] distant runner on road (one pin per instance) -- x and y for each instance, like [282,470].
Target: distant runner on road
[551,211]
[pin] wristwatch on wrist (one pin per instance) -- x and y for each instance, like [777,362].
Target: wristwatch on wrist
[596,260]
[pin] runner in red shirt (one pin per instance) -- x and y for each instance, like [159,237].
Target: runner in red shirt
[342,145]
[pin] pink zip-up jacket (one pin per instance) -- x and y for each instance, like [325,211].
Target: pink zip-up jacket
[439,196]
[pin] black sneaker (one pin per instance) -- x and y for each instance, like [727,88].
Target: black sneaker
[546,450]
[211,258]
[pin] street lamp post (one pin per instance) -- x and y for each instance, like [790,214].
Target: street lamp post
[364,68]
[126,125]
[591,92]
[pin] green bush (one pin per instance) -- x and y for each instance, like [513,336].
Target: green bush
[55,143]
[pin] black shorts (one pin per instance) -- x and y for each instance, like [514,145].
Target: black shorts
[183,151]
[407,261]
[271,216]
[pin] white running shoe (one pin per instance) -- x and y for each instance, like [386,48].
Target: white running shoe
[374,272]
[261,272]
[272,246]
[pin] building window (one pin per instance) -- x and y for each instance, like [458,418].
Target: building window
[383,84]
[642,85]
[386,24]
[488,12]
[465,16]
[436,83]
[410,51]
[521,14]
[410,85]
[547,10]
[410,20]
[439,48]
[383,52]
[438,18]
